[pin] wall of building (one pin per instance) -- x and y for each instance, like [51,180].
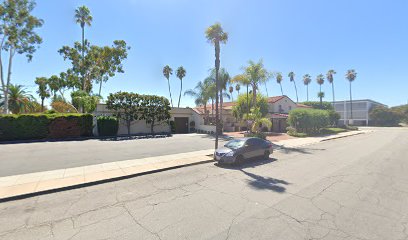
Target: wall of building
[361,111]
[285,103]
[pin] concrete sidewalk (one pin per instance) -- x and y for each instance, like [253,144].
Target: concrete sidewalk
[24,185]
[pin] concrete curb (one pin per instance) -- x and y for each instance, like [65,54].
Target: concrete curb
[337,137]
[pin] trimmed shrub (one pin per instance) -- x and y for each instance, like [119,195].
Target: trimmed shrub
[334,117]
[308,121]
[317,105]
[107,125]
[173,127]
[44,126]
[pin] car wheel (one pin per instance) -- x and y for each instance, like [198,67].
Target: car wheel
[266,155]
[239,160]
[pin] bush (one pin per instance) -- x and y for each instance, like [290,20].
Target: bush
[332,130]
[316,105]
[334,117]
[172,127]
[308,121]
[107,126]
[44,126]
[382,116]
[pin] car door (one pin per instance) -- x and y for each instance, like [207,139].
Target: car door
[259,148]
[250,149]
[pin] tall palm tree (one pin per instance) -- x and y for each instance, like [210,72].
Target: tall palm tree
[279,79]
[237,88]
[216,35]
[83,17]
[42,90]
[167,71]
[209,83]
[223,78]
[256,74]
[330,78]
[291,76]
[231,90]
[306,80]
[351,75]
[19,99]
[320,81]
[181,73]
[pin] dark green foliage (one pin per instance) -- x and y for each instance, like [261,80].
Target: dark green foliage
[172,127]
[403,110]
[332,130]
[382,116]
[308,121]
[241,108]
[316,105]
[44,126]
[107,125]
[334,117]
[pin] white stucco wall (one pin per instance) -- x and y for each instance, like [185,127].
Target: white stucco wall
[286,103]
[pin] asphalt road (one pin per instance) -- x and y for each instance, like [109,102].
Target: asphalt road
[350,188]
[24,158]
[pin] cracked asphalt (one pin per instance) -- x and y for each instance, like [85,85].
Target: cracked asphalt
[350,188]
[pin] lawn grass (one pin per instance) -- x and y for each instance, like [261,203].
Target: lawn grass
[324,131]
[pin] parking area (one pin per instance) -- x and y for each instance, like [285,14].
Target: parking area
[24,158]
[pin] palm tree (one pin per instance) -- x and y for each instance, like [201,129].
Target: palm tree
[321,96]
[224,78]
[244,80]
[256,74]
[237,88]
[42,90]
[306,80]
[258,120]
[181,73]
[200,95]
[330,77]
[216,35]
[83,17]
[320,81]
[351,75]
[167,71]
[279,79]
[231,90]
[209,83]
[291,76]
[19,99]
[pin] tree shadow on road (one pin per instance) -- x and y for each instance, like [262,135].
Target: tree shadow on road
[302,150]
[260,182]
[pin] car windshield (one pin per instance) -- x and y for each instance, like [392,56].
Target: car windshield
[234,144]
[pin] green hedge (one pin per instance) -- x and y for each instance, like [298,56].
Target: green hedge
[308,121]
[45,126]
[107,126]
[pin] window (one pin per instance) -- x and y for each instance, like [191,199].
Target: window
[290,108]
[280,108]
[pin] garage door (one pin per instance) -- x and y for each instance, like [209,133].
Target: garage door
[181,124]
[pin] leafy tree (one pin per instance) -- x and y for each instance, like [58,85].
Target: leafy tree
[155,110]
[279,79]
[82,100]
[17,36]
[98,64]
[20,100]
[382,116]
[241,107]
[167,71]
[55,84]
[42,90]
[291,76]
[83,17]
[403,111]
[330,78]
[306,81]
[63,107]
[244,80]
[126,106]
[351,75]
[216,35]
[181,73]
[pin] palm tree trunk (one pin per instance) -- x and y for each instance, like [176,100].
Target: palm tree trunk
[42,104]
[254,95]
[6,97]
[247,97]
[297,98]
[281,88]
[221,103]
[171,99]
[266,88]
[307,92]
[333,92]
[83,58]
[181,89]
[100,88]
[212,109]
[351,104]
[217,87]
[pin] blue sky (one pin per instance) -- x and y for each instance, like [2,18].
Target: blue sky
[289,35]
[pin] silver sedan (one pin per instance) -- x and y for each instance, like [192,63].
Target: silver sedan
[238,150]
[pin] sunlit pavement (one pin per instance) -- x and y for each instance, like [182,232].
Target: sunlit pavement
[349,188]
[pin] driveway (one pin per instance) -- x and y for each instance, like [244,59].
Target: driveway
[43,156]
[350,188]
